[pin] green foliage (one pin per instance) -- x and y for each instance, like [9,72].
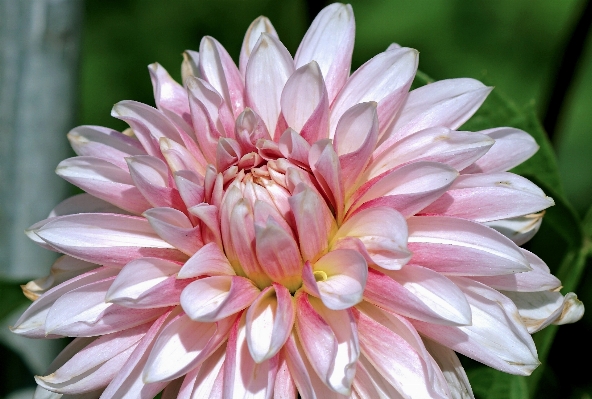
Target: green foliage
[492,384]
[11,298]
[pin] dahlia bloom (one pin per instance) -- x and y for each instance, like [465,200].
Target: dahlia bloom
[284,228]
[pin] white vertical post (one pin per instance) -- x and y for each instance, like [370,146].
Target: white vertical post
[39,54]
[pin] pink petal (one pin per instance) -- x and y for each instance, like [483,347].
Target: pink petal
[407,189]
[314,222]
[208,260]
[496,338]
[484,197]
[436,144]
[214,298]
[148,123]
[84,312]
[269,322]
[180,158]
[208,215]
[104,143]
[243,378]
[338,278]
[448,103]
[190,186]
[537,279]
[151,177]
[330,42]
[278,254]
[190,65]
[83,203]
[146,283]
[182,345]
[385,79]
[453,371]
[330,340]
[294,147]
[103,180]
[105,238]
[383,231]
[355,138]
[174,227]
[270,66]
[32,321]
[519,229]
[284,387]
[461,247]
[170,96]
[128,383]
[305,104]
[249,129]
[228,153]
[366,374]
[257,27]
[219,70]
[324,163]
[203,381]
[511,148]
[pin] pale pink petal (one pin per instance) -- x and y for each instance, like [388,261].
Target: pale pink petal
[330,42]
[539,309]
[243,377]
[393,347]
[203,381]
[294,147]
[249,129]
[519,229]
[496,338]
[270,65]
[105,238]
[190,186]
[257,27]
[170,96]
[146,283]
[384,291]
[32,321]
[269,322]
[284,387]
[305,104]
[324,163]
[190,65]
[228,153]
[180,158]
[128,383]
[338,278]
[314,222]
[385,79]
[511,148]
[174,227]
[448,103]
[457,246]
[330,340]
[484,197]
[94,366]
[383,231]
[83,203]
[453,371]
[104,143]
[355,138]
[214,298]
[63,269]
[103,180]
[436,144]
[182,345]
[151,177]
[148,123]
[537,279]
[407,189]
[278,254]
[208,260]
[219,70]
[171,391]
[208,215]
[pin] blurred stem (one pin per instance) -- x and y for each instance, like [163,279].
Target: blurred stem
[565,73]
[313,8]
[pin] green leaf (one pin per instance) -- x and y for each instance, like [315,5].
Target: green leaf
[488,383]
[11,297]
[587,225]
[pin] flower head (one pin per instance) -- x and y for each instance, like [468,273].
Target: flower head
[283,227]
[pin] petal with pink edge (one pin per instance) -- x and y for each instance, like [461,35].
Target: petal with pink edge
[83,203]
[209,260]
[243,377]
[151,176]
[330,42]
[330,340]
[257,27]
[497,337]
[453,371]
[338,278]
[214,298]
[383,231]
[519,229]
[170,96]
[182,345]
[462,247]
[105,238]
[174,227]
[270,65]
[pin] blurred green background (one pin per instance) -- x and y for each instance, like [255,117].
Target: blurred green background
[514,45]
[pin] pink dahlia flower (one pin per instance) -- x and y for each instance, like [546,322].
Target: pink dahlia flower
[287,228]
